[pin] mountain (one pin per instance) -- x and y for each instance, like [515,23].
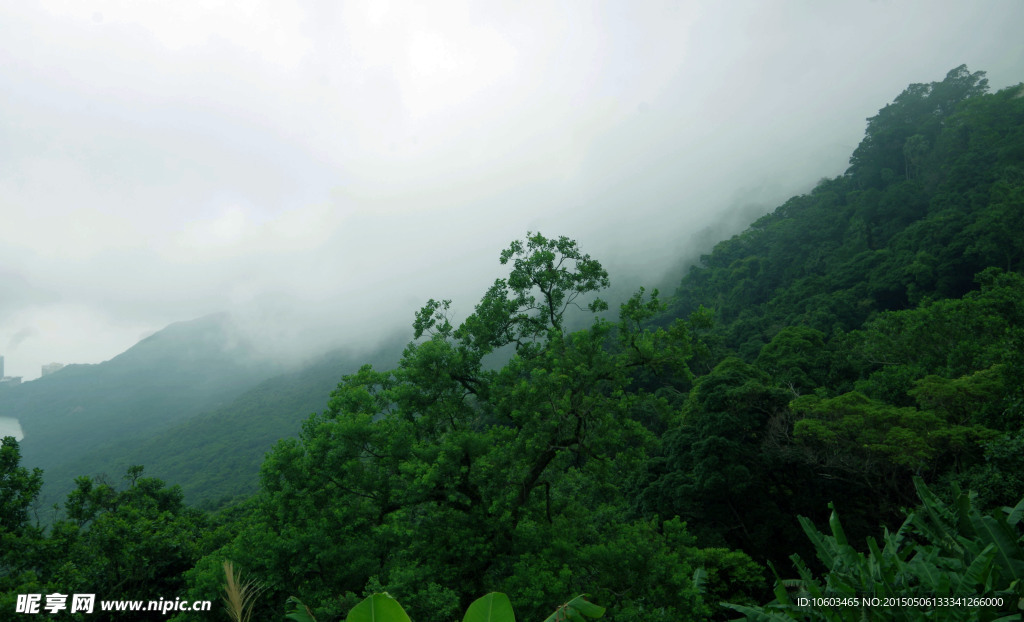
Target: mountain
[932,198]
[215,456]
[857,347]
[183,370]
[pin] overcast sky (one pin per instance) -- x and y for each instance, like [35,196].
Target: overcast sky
[322,168]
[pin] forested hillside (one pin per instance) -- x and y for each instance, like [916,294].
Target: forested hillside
[235,437]
[854,358]
[931,199]
[81,415]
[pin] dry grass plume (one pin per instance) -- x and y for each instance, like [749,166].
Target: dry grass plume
[239,596]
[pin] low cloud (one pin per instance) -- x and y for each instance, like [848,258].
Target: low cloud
[319,170]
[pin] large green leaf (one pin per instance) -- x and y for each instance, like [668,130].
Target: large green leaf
[837,527]
[587,608]
[825,550]
[935,521]
[964,510]
[925,567]
[1014,514]
[757,614]
[378,608]
[299,611]
[883,569]
[976,575]
[700,578]
[495,607]
[995,530]
[576,609]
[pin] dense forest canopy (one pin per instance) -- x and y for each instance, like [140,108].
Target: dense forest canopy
[856,353]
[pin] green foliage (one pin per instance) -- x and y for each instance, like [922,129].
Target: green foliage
[858,336]
[236,436]
[618,557]
[897,137]
[941,552]
[929,201]
[141,538]
[494,607]
[975,397]
[996,243]
[19,538]
[132,543]
[853,433]
[877,448]
[933,384]
[797,359]
[999,477]
[378,608]
[559,271]
[713,466]
[19,488]
[950,339]
[71,418]
[445,477]
[298,611]
[576,609]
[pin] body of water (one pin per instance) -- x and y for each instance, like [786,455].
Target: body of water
[9,426]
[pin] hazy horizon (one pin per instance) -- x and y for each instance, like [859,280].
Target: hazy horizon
[320,171]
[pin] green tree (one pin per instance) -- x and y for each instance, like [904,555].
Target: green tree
[19,488]
[447,477]
[20,538]
[797,359]
[915,115]
[717,468]
[992,232]
[130,543]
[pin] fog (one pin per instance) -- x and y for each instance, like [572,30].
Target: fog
[321,170]
[9,426]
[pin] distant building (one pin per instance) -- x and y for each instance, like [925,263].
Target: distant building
[49,368]
[7,381]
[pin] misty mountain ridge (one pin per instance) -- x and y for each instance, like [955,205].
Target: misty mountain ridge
[235,436]
[187,368]
[210,337]
[197,393]
[856,344]
[214,337]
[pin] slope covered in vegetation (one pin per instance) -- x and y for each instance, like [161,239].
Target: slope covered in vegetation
[80,414]
[861,346]
[215,456]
